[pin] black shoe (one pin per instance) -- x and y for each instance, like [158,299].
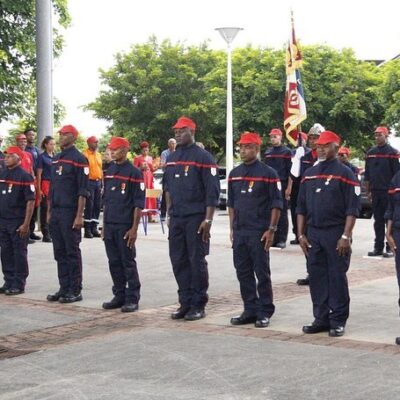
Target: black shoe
[114,303]
[195,314]
[280,245]
[96,233]
[14,291]
[33,236]
[54,297]
[31,241]
[243,319]
[46,239]
[315,328]
[3,289]
[130,307]
[397,341]
[388,254]
[336,332]
[262,322]
[88,234]
[70,298]
[294,241]
[180,313]
[375,253]
[303,281]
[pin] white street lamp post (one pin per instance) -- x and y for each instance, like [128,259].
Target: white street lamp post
[228,35]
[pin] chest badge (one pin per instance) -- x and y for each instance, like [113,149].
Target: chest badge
[251,184]
[10,186]
[113,188]
[328,181]
[186,170]
[123,186]
[59,170]
[318,190]
[177,176]
[4,191]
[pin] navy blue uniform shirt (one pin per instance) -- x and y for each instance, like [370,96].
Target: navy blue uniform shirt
[253,191]
[329,192]
[354,169]
[280,159]
[393,210]
[69,178]
[123,192]
[16,189]
[381,164]
[191,178]
[307,161]
[44,163]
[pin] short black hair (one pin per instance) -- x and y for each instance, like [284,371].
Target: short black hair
[28,130]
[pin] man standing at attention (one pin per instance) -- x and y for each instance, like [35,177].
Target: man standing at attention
[254,201]
[192,191]
[67,197]
[328,203]
[124,198]
[381,165]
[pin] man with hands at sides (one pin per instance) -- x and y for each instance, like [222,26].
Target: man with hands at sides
[255,203]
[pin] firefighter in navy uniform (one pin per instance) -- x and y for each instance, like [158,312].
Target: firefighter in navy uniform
[17,200]
[381,164]
[124,198]
[67,197]
[279,157]
[192,188]
[254,201]
[329,202]
[343,156]
[392,216]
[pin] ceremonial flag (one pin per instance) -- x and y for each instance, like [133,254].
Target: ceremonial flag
[295,107]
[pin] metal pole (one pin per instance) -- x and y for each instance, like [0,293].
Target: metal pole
[44,60]
[229,118]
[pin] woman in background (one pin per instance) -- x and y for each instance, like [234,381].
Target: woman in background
[43,182]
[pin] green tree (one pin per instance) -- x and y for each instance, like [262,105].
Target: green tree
[17,52]
[153,84]
[390,92]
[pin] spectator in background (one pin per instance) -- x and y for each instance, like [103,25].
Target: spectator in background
[145,163]
[163,161]
[43,174]
[107,160]
[343,156]
[92,209]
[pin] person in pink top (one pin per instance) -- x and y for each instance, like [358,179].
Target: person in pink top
[145,163]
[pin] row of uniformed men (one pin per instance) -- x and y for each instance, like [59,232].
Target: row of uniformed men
[328,205]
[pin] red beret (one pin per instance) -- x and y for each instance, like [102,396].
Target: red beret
[92,139]
[250,138]
[69,129]
[382,129]
[302,134]
[117,143]
[344,150]
[184,122]
[276,132]
[15,150]
[328,137]
[20,136]
[144,144]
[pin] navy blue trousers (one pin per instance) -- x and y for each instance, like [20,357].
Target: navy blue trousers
[14,254]
[188,253]
[328,281]
[122,263]
[283,223]
[251,261]
[66,250]
[379,206]
[396,236]
[93,204]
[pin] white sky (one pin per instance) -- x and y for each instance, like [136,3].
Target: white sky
[101,28]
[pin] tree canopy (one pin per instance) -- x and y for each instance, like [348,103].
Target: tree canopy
[18,53]
[153,84]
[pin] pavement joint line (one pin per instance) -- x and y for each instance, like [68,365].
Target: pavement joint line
[99,323]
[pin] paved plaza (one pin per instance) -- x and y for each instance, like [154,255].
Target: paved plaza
[79,351]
